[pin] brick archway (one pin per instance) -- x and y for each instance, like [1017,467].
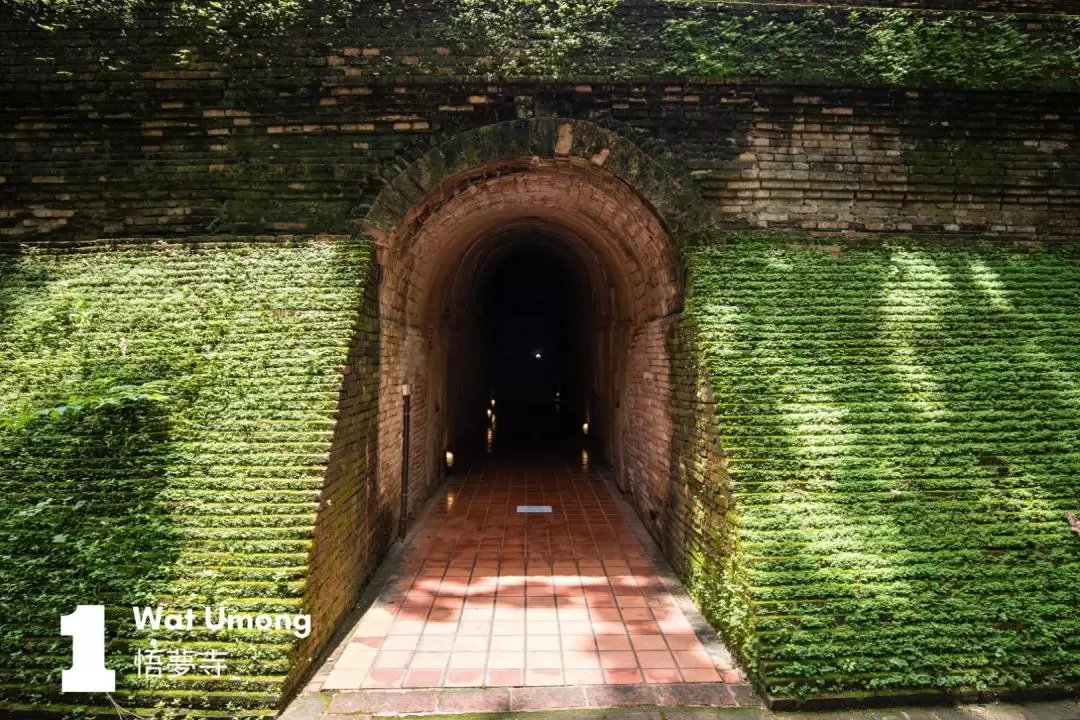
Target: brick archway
[594,199]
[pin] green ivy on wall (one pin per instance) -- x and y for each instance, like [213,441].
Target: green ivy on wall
[894,47]
[903,424]
[164,419]
[531,37]
[620,39]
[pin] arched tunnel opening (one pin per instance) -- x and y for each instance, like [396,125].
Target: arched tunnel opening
[521,378]
[528,307]
[549,288]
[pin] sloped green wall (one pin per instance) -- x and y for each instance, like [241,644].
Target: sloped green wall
[167,415]
[902,425]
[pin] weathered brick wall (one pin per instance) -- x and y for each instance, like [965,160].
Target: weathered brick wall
[299,134]
[359,134]
[197,156]
[649,430]
[403,360]
[921,161]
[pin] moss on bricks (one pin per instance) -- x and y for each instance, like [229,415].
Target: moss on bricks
[902,425]
[931,46]
[165,415]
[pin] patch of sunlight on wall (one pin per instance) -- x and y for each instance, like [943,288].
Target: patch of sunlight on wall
[922,305]
[987,280]
[722,344]
[816,430]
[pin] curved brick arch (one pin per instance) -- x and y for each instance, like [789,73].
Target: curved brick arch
[599,216]
[614,214]
[673,198]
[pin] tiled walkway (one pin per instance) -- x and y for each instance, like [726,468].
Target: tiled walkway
[488,596]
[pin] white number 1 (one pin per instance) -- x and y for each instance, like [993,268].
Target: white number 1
[86,627]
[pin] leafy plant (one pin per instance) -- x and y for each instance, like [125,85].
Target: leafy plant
[615,39]
[115,395]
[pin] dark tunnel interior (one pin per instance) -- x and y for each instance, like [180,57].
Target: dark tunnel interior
[529,350]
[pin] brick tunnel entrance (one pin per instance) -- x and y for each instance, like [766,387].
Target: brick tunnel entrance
[525,305]
[546,286]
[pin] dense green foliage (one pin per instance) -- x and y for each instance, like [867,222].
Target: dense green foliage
[621,39]
[904,432]
[873,46]
[165,417]
[531,37]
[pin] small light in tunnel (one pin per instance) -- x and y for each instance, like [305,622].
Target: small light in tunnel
[492,402]
[585,428]
[585,459]
[556,396]
[538,355]
[449,459]
[489,412]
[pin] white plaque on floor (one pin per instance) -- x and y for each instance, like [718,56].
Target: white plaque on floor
[534,508]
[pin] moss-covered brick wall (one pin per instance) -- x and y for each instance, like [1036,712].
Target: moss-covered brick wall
[166,422]
[1007,44]
[190,387]
[160,128]
[897,425]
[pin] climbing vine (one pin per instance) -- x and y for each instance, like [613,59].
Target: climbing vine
[531,37]
[871,46]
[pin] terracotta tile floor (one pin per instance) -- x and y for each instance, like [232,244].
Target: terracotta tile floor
[488,596]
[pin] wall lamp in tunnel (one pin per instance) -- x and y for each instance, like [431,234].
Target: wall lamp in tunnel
[585,428]
[538,355]
[449,459]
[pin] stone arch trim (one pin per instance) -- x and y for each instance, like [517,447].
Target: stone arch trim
[673,198]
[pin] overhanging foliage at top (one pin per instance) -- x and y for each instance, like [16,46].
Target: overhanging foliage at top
[608,38]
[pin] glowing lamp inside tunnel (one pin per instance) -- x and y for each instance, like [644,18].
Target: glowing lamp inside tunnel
[449,459]
[538,355]
[585,428]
